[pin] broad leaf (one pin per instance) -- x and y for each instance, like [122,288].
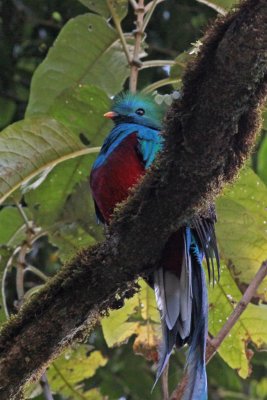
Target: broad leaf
[67,372]
[29,147]
[81,110]
[70,239]
[48,200]
[242,228]
[116,328]
[251,326]
[101,7]
[87,51]
[147,341]
[8,109]
[12,230]
[121,324]
[146,296]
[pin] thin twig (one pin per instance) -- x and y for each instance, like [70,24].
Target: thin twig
[134,4]
[46,387]
[215,7]
[21,262]
[119,30]
[164,383]
[161,83]
[24,216]
[213,344]
[148,6]
[36,272]
[136,63]
[21,268]
[149,12]
[158,63]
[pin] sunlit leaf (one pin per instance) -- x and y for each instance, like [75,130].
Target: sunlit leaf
[147,341]
[260,388]
[249,328]
[149,310]
[67,372]
[262,159]
[242,228]
[116,328]
[87,51]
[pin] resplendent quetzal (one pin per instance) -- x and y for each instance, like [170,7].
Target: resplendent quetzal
[179,282]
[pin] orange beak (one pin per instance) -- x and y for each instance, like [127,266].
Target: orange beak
[111,114]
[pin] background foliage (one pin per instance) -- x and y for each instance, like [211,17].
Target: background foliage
[62,92]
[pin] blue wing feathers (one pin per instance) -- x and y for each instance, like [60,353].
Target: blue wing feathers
[150,142]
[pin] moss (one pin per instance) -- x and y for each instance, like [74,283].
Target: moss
[209,133]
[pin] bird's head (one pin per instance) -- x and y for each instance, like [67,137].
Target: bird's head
[136,109]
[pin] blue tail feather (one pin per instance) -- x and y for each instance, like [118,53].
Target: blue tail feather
[189,314]
[195,369]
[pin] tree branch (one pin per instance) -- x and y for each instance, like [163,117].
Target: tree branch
[215,342]
[136,63]
[208,135]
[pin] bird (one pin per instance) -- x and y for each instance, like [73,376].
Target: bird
[179,280]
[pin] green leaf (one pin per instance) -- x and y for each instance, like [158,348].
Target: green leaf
[101,7]
[262,159]
[87,51]
[242,228]
[146,296]
[70,239]
[8,108]
[31,146]
[81,110]
[115,327]
[48,200]
[142,307]
[251,326]
[221,6]
[181,62]
[66,373]
[12,228]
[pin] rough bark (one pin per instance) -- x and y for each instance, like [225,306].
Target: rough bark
[209,133]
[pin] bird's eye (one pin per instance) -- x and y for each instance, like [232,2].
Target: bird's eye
[140,111]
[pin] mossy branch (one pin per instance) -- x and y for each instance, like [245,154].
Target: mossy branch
[209,133]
